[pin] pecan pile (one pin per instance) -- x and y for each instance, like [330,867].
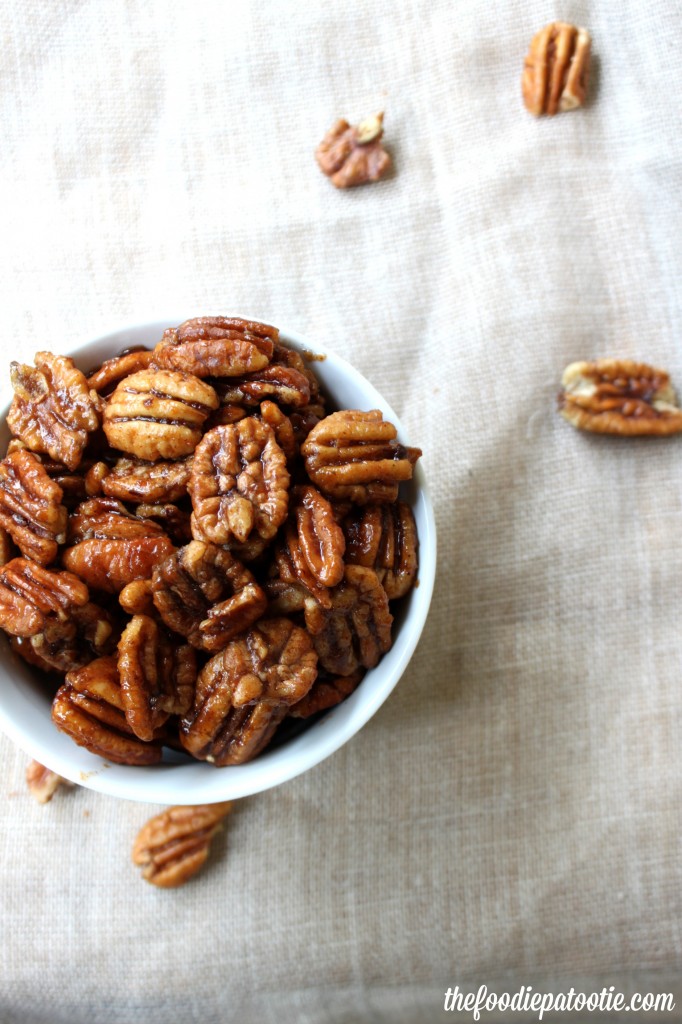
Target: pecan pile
[193,547]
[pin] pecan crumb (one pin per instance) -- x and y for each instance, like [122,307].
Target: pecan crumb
[43,783]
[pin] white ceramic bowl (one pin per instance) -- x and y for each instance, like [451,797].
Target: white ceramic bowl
[25,700]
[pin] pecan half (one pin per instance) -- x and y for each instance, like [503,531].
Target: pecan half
[31,509]
[206,595]
[147,482]
[239,483]
[320,537]
[43,783]
[353,155]
[326,692]
[89,708]
[67,644]
[217,346]
[356,630]
[619,396]
[384,538]
[31,596]
[244,692]
[158,414]
[114,370]
[556,69]
[172,846]
[355,455]
[53,410]
[282,384]
[156,674]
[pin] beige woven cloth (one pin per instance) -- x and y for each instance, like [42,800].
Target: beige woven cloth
[511,816]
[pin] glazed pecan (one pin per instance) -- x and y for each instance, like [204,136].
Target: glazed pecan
[104,379]
[244,692]
[216,346]
[136,598]
[31,509]
[320,537]
[326,692]
[147,482]
[204,594]
[618,396]
[112,547]
[282,384]
[173,845]
[53,410]
[158,414]
[5,547]
[173,520]
[156,674]
[94,480]
[239,483]
[89,708]
[65,644]
[356,630]
[31,596]
[556,69]
[353,155]
[355,455]
[384,538]
[43,783]
[282,428]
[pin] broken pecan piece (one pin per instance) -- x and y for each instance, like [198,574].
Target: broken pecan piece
[147,482]
[172,846]
[326,692]
[158,414]
[245,691]
[353,155]
[31,509]
[216,346]
[354,455]
[384,538]
[43,783]
[239,483]
[556,69]
[156,674]
[204,594]
[356,630]
[619,396]
[53,410]
[89,708]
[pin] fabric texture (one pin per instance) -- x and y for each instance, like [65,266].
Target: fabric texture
[511,815]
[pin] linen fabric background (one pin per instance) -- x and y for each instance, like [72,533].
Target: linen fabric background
[511,816]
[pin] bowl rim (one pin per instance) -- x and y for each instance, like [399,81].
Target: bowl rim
[153,784]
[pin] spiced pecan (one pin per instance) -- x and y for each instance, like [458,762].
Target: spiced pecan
[282,384]
[239,483]
[216,346]
[89,708]
[113,547]
[354,155]
[384,538]
[203,593]
[136,598]
[31,596]
[42,782]
[5,547]
[65,644]
[326,692]
[53,410]
[94,480]
[244,692]
[156,674]
[619,396]
[158,414]
[556,69]
[139,482]
[320,537]
[108,375]
[355,455]
[356,630]
[282,428]
[31,509]
[173,520]
[172,846]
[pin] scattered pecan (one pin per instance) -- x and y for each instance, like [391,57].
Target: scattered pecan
[104,379]
[244,692]
[89,708]
[619,396]
[353,155]
[43,783]
[31,509]
[384,538]
[556,69]
[239,483]
[356,630]
[158,414]
[31,596]
[216,346]
[204,594]
[326,692]
[53,410]
[112,547]
[137,481]
[156,674]
[355,455]
[173,845]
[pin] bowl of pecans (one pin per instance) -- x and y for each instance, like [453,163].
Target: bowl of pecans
[217,555]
